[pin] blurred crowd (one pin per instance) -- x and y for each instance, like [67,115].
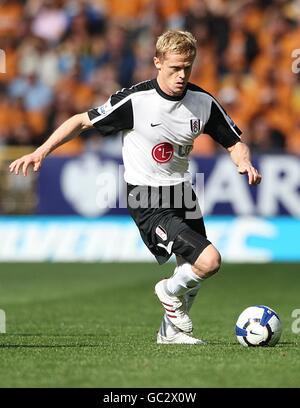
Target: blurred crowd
[65,56]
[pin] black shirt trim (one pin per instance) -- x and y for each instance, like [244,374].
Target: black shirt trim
[123,93]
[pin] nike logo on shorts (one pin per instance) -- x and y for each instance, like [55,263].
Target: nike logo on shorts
[167,248]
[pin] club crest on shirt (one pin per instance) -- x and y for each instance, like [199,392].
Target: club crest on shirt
[195,126]
[103,108]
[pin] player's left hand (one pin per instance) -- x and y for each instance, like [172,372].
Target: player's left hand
[254,177]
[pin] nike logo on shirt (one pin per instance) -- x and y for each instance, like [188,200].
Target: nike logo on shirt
[155,124]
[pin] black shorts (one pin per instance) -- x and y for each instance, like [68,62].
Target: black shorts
[169,220]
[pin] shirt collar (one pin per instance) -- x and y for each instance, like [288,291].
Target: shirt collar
[166,96]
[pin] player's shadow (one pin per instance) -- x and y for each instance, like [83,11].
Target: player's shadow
[93,337]
[16,346]
[236,344]
[53,335]
[286,343]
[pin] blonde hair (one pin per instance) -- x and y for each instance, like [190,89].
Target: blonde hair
[176,42]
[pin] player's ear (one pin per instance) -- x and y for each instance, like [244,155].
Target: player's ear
[157,63]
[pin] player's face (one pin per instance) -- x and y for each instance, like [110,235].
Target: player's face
[174,71]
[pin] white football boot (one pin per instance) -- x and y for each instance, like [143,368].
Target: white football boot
[178,338]
[175,308]
[169,334]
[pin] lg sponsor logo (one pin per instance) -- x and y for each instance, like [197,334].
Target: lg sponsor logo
[163,152]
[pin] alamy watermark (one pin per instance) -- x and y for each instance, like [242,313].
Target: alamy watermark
[296,63]
[2,62]
[113,193]
[2,321]
[296,323]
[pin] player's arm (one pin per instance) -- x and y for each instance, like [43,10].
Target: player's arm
[224,131]
[115,115]
[240,155]
[65,132]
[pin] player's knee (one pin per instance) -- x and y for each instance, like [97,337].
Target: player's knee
[209,267]
[208,263]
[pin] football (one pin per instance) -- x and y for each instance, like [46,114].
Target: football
[258,326]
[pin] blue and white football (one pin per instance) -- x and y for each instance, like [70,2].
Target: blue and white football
[258,326]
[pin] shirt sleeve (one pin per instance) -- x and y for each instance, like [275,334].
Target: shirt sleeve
[115,115]
[221,127]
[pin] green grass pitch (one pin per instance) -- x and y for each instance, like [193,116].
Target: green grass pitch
[94,325]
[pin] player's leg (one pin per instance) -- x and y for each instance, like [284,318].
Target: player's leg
[171,293]
[202,260]
[170,334]
[190,295]
[208,262]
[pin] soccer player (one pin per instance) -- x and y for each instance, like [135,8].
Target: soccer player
[160,119]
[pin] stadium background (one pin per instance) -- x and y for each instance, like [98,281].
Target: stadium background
[63,57]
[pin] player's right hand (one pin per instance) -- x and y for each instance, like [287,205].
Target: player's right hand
[33,159]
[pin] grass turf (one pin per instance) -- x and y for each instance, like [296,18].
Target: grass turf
[94,325]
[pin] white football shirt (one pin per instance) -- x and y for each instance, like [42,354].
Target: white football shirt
[159,130]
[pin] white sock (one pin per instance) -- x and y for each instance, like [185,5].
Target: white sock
[182,281]
[190,296]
